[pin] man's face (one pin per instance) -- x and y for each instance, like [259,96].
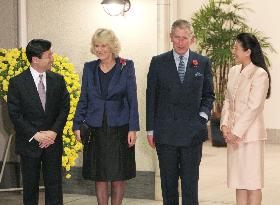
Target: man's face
[182,39]
[45,62]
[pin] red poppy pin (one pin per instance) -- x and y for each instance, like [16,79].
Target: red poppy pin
[195,63]
[122,62]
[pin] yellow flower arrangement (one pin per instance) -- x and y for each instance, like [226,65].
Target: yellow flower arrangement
[14,61]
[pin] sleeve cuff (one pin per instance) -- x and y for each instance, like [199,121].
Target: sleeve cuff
[31,139]
[204,115]
[150,132]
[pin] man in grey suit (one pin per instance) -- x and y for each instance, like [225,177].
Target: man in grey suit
[179,102]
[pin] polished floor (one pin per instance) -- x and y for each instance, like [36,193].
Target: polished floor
[212,188]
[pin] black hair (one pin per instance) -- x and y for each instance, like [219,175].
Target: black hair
[37,47]
[249,41]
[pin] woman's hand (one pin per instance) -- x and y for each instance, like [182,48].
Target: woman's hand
[233,139]
[77,134]
[225,131]
[229,137]
[131,138]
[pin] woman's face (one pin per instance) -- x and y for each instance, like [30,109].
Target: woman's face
[103,51]
[240,55]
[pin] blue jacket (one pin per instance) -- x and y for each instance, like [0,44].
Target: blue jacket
[120,105]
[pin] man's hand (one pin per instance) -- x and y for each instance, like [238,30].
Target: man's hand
[77,134]
[44,145]
[51,134]
[151,141]
[43,139]
[131,138]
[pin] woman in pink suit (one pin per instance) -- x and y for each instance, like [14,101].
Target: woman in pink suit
[242,121]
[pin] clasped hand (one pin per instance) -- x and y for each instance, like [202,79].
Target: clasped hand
[45,138]
[229,137]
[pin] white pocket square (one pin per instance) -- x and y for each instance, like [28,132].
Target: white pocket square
[197,74]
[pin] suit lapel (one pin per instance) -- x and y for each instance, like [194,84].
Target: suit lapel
[188,67]
[32,90]
[243,77]
[116,76]
[249,71]
[171,66]
[50,87]
[236,82]
[95,77]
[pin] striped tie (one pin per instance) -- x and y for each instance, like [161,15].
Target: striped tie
[181,69]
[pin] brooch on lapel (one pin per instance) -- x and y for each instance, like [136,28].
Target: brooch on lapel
[122,62]
[195,63]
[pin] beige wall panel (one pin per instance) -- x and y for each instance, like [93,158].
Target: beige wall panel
[8,23]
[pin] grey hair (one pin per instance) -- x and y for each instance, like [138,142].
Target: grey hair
[181,23]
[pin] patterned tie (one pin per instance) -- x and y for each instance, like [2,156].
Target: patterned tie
[181,69]
[42,91]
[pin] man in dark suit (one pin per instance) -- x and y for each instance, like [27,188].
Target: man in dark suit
[179,101]
[38,104]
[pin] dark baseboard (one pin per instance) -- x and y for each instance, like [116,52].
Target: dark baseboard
[141,187]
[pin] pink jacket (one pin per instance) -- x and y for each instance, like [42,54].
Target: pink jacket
[244,102]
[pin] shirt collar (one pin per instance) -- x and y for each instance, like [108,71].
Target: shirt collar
[177,56]
[35,73]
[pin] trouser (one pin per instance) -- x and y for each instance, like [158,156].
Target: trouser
[183,162]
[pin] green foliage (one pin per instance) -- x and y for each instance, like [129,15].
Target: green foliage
[216,25]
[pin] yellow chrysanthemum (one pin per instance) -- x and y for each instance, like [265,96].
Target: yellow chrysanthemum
[68,176]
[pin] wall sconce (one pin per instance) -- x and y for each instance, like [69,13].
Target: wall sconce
[116,7]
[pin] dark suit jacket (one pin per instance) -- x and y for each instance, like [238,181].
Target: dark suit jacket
[28,116]
[121,104]
[172,107]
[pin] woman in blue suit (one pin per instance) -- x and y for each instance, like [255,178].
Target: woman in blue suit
[108,105]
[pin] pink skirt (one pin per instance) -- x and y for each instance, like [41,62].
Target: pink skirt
[245,165]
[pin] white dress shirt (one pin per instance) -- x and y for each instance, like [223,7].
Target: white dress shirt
[35,74]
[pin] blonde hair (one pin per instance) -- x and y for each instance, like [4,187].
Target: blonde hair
[105,36]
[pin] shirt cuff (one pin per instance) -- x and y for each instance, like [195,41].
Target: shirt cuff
[150,132]
[32,138]
[204,115]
